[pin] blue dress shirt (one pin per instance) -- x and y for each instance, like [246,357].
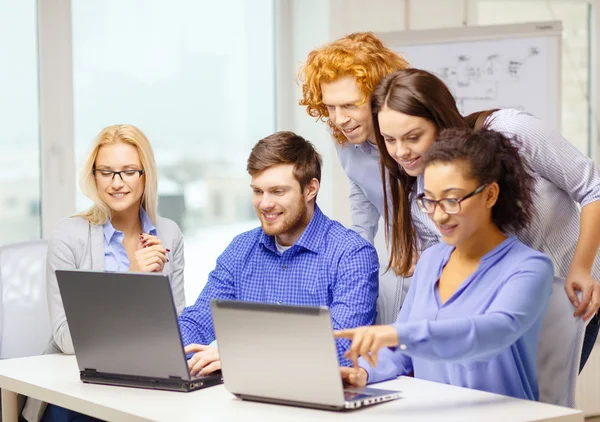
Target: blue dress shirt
[486,335]
[361,165]
[115,255]
[329,265]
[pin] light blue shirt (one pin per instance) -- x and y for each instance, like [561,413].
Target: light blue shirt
[115,255]
[361,165]
[485,336]
[328,265]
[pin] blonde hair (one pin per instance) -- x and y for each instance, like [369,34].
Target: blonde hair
[361,55]
[100,213]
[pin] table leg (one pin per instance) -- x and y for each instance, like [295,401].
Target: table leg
[10,410]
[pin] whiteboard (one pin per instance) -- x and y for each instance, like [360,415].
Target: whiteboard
[504,66]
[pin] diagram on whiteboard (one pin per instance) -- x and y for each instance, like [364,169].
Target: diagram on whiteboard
[482,74]
[470,79]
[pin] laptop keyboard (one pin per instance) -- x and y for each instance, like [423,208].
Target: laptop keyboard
[211,375]
[355,395]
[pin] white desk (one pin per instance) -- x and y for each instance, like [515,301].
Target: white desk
[55,379]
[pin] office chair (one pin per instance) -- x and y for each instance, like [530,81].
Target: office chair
[24,319]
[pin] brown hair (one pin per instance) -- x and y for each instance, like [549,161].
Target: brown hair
[417,93]
[361,55]
[286,148]
[480,119]
[490,157]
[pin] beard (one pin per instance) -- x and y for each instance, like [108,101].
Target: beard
[294,221]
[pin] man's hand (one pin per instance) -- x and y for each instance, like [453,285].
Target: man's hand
[355,377]
[581,280]
[205,360]
[366,342]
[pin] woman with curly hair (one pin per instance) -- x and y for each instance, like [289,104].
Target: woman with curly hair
[412,106]
[469,319]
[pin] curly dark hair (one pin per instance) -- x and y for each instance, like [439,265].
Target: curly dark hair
[414,92]
[418,93]
[490,157]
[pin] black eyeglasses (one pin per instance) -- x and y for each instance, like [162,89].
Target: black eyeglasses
[448,205]
[128,175]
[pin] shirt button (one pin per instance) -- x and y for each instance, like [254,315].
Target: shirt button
[283,267]
[279,302]
[403,347]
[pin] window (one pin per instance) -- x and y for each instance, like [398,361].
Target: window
[197,77]
[19,139]
[575,58]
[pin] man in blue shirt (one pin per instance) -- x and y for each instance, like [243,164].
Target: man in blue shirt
[297,257]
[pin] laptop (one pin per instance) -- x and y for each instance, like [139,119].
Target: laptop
[125,331]
[284,355]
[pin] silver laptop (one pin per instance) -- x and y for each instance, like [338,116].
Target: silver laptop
[125,330]
[284,355]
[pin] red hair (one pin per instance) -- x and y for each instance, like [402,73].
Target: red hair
[361,55]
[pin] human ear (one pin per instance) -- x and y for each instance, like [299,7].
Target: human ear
[312,189]
[491,193]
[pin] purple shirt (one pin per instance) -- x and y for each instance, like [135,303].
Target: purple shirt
[485,336]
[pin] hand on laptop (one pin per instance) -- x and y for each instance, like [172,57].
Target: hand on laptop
[366,342]
[150,256]
[205,360]
[355,377]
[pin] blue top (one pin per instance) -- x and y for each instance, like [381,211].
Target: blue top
[361,165]
[559,185]
[115,255]
[328,265]
[486,335]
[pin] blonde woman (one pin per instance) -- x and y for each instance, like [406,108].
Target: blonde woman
[120,232]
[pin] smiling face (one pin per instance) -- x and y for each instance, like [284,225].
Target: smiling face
[120,194]
[407,138]
[348,109]
[283,208]
[447,180]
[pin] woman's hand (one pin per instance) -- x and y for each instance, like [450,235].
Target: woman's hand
[355,377]
[150,256]
[581,280]
[366,342]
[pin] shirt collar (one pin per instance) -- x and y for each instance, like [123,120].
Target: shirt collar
[420,184]
[109,231]
[368,148]
[498,250]
[310,239]
[147,226]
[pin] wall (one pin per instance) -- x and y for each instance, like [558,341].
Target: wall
[311,23]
